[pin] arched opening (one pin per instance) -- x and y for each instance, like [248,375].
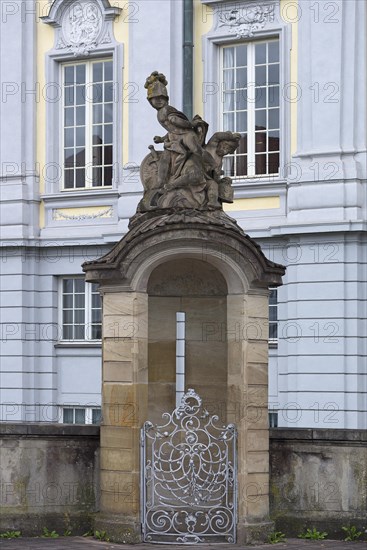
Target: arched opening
[199,290]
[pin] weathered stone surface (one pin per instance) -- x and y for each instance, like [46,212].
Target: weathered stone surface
[318,478]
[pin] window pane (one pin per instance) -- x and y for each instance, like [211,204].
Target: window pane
[79,300]
[97,93]
[260,141]
[260,164]
[273,331]
[228,121]
[108,113]
[97,72]
[273,74]
[228,166]
[97,114]
[67,332]
[69,179]
[96,301]
[97,135]
[242,148]
[108,176]
[96,332]
[228,101]
[67,316]
[67,416]
[228,57]
[69,75]
[108,70]
[80,74]
[79,285]
[97,177]
[241,122]
[260,53]
[273,51]
[69,158]
[80,116]
[273,163]
[273,141]
[241,167]
[108,133]
[273,299]
[96,316]
[273,96]
[108,154]
[260,98]
[79,416]
[80,95]
[69,116]
[67,301]
[228,79]
[69,137]
[79,332]
[80,157]
[69,96]
[274,118]
[108,92]
[80,178]
[97,156]
[96,416]
[241,56]
[241,78]
[80,136]
[241,100]
[260,76]
[260,120]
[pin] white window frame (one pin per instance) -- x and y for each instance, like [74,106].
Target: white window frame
[88,125]
[222,35]
[88,414]
[251,134]
[87,308]
[273,342]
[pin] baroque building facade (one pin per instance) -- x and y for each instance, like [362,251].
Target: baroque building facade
[289,77]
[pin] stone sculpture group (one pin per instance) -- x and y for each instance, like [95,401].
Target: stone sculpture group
[188,172]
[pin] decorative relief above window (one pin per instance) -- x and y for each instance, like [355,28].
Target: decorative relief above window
[245,20]
[81,26]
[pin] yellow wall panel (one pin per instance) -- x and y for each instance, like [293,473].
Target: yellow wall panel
[253,203]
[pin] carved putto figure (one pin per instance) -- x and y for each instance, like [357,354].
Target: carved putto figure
[188,172]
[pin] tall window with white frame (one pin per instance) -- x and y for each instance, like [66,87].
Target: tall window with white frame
[273,316]
[251,106]
[88,93]
[80,310]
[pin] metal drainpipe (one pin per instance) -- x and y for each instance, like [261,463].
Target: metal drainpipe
[188,57]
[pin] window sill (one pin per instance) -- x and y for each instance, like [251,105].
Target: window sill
[81,194]
[79,344]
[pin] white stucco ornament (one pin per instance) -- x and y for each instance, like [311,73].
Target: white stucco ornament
[244,21]
[81,27]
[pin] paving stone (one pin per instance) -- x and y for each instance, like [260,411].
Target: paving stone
[80,543]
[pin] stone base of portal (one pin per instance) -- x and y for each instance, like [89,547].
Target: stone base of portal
[254,533]
[118,529]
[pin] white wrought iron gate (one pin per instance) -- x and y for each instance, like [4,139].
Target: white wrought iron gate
[188,477]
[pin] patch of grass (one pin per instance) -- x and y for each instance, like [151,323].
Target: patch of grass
[101,535]
[275,537]
[351,533]
[49,534]
[10,535]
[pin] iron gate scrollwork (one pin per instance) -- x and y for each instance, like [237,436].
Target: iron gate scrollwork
[189,481]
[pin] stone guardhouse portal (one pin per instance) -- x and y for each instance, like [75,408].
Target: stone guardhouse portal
[183,255]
